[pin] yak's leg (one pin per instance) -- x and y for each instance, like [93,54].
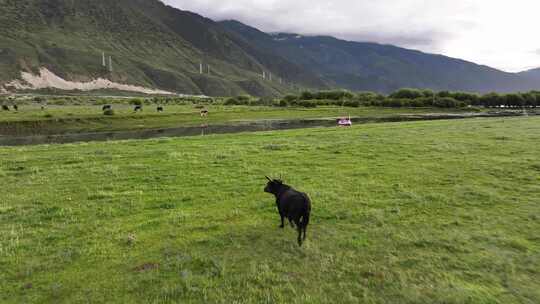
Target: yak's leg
[305,222]
[299,229]
[291,223]
[281,215]
[299,236]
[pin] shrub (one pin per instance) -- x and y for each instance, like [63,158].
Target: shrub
[333,95]
[514,100]
[283,103]
[421,102]
[136,102]
[306,95]
[351,103]
[307,104]
[407,94]
[231,101]
[239,100]
[289,98]
[263,101]
[325,102]
[367,98]
[445,102]
[39,99]
[243,99]
[428,93]
[374,102]
[469,98]
[444,94]
[491,100]
[392,102]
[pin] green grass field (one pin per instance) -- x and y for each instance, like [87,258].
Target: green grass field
[422,212]
[72,119]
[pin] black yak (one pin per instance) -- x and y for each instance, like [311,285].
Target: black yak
[160,109]
[5,108]
[16,108]
[137,109]
[106,107]
[291,204]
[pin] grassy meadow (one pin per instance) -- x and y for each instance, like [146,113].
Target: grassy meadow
[417,212]
[30,119]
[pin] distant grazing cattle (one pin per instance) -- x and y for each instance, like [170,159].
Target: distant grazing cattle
[5,108]
[106,107]
[291,204]
[204,113]
[16,108]
[160,109]
[138,109]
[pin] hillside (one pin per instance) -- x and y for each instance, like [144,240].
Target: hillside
[384,68]
[532,74]
[151,44]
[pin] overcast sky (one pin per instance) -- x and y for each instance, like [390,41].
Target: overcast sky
[499,33]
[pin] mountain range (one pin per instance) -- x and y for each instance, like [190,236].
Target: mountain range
[154,45]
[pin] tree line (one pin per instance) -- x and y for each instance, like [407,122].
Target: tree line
[413,98]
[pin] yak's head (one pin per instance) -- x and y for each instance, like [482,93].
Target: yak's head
[273,186]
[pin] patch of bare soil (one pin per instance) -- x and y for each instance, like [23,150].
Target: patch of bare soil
[47,79]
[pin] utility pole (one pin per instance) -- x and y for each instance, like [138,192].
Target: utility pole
[103,61]
[110,64]
[264,75]
[200,68]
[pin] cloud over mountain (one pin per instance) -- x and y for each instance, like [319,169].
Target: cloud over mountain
[496,33]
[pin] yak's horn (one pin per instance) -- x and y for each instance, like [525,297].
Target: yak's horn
[268,178]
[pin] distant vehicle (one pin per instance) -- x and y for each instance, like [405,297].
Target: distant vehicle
[344,122]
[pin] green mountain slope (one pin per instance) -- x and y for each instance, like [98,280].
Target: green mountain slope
[155,45]
[151,44]
[532,74]
[371,66]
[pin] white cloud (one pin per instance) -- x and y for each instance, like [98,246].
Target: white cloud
[498,33]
